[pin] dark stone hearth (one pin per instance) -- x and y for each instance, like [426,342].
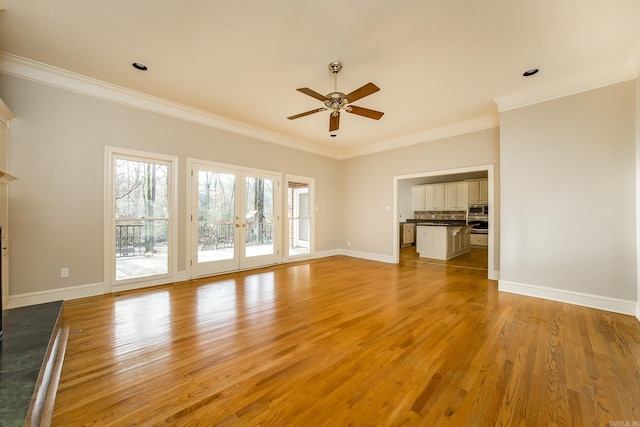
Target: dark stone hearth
[27,332]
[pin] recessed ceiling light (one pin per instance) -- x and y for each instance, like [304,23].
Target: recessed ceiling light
[139,66]
[530,72]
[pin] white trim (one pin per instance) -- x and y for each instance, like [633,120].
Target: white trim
[110,284]
[240,172]
[6,115]
[179,277]
[580,84]
[614,305]
[40,297]
[36,71]
[491,273]
[325,254]
[461,128]
[638,311]
[366,255]
[311,182]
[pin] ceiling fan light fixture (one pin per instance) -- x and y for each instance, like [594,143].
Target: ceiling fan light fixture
[336,101]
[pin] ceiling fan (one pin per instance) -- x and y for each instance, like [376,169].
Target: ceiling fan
[336,101]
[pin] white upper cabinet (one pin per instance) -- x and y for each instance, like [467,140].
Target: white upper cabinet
[456,196]
[478,192]
[436,197]
[419,198]
[450,196]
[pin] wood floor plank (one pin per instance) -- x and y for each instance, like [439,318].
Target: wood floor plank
[344,341]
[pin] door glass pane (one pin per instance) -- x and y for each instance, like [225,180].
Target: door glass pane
[141,218]
[298,211]
[259,216]
[216,221]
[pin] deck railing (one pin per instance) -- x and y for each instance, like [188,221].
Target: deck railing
[133,238]
[220,235]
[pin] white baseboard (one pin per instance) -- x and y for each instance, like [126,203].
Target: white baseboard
[614,305]
[638,310]
[72,292]
[81,291]
[181,276]
[325,254]
[366,255]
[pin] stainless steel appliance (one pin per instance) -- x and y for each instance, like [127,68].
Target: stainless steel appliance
[479,233]
[478,212]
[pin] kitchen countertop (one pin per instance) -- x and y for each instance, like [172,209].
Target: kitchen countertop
[424,224]
[23,346]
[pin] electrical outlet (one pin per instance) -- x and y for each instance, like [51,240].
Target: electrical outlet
[348,242]
[64,272]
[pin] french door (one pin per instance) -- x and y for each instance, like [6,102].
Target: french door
[235,218]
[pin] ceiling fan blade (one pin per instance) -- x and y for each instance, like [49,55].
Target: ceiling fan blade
[334,121]
[312,93]
[372,114]
[306,113]
[365,90]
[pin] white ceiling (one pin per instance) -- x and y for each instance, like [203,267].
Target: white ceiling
[441,65]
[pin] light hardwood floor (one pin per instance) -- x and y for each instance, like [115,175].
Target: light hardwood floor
[342,341]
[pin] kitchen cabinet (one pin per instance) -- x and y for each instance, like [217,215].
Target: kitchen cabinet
[478,192]
[443,242]
[449,196]
[479,240]
[407,234]
[419,198]
[456,198]
[435,196]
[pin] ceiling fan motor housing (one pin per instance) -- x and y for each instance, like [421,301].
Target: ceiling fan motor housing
[336,100]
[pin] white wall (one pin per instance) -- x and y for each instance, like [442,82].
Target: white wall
[368,185]
[57,151]
[568,197]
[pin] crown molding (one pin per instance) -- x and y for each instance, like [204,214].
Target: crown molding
[36,71]
[580,84]
[473,125]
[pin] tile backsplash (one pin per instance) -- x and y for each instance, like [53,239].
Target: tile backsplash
[459,215]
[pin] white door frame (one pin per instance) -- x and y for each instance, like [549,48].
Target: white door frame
[110,284]
[242,172]
[492,272]
[312,216]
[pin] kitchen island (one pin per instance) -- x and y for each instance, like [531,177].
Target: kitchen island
[443,241]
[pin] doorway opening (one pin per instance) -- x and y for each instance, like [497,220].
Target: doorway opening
[299,216]
[404,212]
